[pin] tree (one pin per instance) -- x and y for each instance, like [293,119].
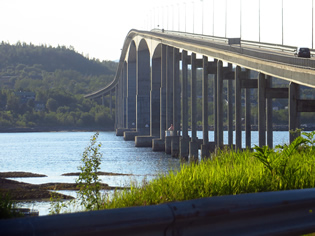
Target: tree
[51,105]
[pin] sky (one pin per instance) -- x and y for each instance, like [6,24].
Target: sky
[97,28]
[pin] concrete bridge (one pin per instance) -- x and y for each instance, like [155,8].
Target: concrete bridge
[153,90]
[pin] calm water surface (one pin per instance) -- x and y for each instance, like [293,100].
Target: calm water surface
[56,153]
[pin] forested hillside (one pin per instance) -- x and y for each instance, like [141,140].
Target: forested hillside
[43,86]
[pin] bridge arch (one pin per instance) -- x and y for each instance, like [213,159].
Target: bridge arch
[153,61]
[131,87]
[143,87]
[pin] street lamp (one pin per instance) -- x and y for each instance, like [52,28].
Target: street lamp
[213,18]
[241,19]
[202,16]
[193,17]
[185,17]
[225,17]
[282,21]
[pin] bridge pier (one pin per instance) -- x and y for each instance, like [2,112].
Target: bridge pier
[150,97]
[184,140]
[176,104]
[193,144]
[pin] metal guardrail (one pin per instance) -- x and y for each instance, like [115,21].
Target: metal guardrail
[214,42]
[270,213]
[284,48]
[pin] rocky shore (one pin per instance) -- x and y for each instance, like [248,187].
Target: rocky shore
[21,191]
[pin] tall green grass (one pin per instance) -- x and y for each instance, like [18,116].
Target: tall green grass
[228,173]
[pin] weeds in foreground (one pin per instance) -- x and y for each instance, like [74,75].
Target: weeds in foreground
[228,173]
[7,207]
[89,195]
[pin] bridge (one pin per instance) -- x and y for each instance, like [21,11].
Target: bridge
[156,82]
[151,88]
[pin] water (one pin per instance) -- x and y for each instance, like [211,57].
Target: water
[56,153]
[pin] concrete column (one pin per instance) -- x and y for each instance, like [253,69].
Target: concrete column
[111,103]
[269,114]
[103,102]
[116,107]
[248,130]
[163,125]
[143,92]
[230,112]
[215,107]
[169,95]
[238,109]
[159,143]
[155,97]
[193,145]
[121,108]
[184,141]
[125,78]
[294,116]
[262,109]
[219,141]
[205,152]
[247,119]
[131,95]
[176,103]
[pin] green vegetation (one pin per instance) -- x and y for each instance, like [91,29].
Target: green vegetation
[229,173]
[7,207]
[89,194]
[226,173]
[42,86]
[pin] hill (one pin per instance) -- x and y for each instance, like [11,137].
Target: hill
[43,86]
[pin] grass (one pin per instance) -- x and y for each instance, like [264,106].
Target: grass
[228,173]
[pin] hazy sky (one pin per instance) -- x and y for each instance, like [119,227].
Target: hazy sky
[98,27]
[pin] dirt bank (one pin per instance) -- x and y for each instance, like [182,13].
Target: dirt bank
[39,192]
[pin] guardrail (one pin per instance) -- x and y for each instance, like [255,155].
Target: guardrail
[284,48]
[270,213]
[215,42]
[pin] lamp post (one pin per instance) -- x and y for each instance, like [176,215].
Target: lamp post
[225,18]
[178,16]
[241,19]
[193,17]
[185,17]
[282,19]
[213,18]
[259,20]
[202,5]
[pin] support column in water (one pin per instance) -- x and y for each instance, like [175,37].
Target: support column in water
[219,141]
[193,144]
[176,103]
[184,140]
[294,116]
[205,152]
[262,109]
[169,95]
[238,109]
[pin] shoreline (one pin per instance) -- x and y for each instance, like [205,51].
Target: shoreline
[51,129]
[21,191]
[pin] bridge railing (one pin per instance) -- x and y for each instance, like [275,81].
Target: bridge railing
[270,213]
[276,47]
